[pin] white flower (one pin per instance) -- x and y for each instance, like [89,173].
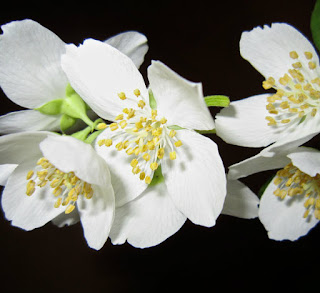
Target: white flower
[31,73]
[146,136]
[57,178]
[290,65]
[290,205]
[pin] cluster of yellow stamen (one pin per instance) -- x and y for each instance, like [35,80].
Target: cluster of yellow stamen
[66,187]
[294,183]
[298,92]
[143,136]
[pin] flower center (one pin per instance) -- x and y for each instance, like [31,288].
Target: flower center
[143,136]
[294,183]
[298,92]
[66,187]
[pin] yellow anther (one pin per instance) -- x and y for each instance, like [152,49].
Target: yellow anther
[313,112]
[129,151]
[123,124]
[119,146]
[69,209]
[308,55]
[294,55]
[108,142]
[172,133]
[57,191]
[142,176]
[101,126]
[146,157]
[136,170]
[268,83]
[29,175]
[137,92]
[131,113]
[312,65]
[285,121]
[125,110]
[58,203]
[30,187]
[113,126]
[122,96]
[163,120]
[89,194]
[301,114]
[134,163]
[141,104]
[150,145]
[154,113]
[284,105]
[173,155]
[271,120]
[297,65]
[154,166]
[178,143]
[284,80]
[119,117]
[139,125]
[55,183]
[292,99]
[160,153]
[309,202]
[147,180]
[101,142]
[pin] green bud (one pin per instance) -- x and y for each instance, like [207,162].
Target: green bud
[217,101]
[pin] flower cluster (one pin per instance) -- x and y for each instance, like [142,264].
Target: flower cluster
[133,161]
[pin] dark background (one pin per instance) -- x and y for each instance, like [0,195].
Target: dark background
[200,41]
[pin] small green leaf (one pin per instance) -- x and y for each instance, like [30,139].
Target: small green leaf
[152,101]
[157,177]
[315,24]
[302,119]
[66,122]
[51,108]
[217,101]
[206,131]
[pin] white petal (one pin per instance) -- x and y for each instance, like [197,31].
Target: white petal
[307,160]
[28,120]
[283,219]
[5,171]
[28,212]
[127,186]
[132,44]
[268,48]
[18,147]
[30,70]
[66,219]
[148,220]
[96,215]
[240,201]
[98,72]
[179,100]
[196,179]
[243,123]
[257,163]
[70,154]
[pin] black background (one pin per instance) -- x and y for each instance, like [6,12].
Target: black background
[200,41]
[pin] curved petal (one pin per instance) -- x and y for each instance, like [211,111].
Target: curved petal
[70,154]
[196,179]
[240,201]
[307,160]
[28,212]
[268,48]
[243,123]
[179,100]
[131,43]
[66,219]
[257,163]
[127,186]
[5,171]
[28,120]
[283,219]
[98,73]
[30,70]
[148,220]
[96,215]
[19,147]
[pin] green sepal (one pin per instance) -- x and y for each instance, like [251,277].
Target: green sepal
[175,127]
[217,101]
[51,108]
[92,137]
[315,24]
[66,122]
[157,177]
[82,134]
[152,101]
[207,131]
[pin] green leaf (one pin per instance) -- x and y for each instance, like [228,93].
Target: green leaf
[51,108]
[152,101]
[66,122]
[315,24]
[217,101]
